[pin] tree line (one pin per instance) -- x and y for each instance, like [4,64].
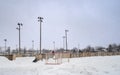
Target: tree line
[109,48]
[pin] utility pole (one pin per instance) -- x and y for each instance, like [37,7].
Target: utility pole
[5,43]
[40,20]
[63,42]
[32,44]
[54,45]
[19,28]
[16,48]
[66,39]
[78,46]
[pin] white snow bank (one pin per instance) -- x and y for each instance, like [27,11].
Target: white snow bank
[106,65]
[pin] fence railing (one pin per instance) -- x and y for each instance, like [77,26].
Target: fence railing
[64,55]
[89,54]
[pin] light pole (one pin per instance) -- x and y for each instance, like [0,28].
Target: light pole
[63,42]
[78,46]
[66,39]
[19,28]
[16,48]
[5,43]
[32,44]
[40,20]
[54,45]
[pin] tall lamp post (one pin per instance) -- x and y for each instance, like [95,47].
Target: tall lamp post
[40,20]
[33,44]
[5,43]
[66,39]
[19,28]
[78,46]
[63,42]
[54,45]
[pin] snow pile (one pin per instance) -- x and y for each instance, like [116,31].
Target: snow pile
[107,65]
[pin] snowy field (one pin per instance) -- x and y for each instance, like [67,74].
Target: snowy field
[103,65]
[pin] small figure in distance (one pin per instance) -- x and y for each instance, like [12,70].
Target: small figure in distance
[53,52]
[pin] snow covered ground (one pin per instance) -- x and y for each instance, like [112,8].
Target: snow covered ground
[102,65]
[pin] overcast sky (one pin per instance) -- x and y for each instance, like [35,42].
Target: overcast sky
[90,22]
